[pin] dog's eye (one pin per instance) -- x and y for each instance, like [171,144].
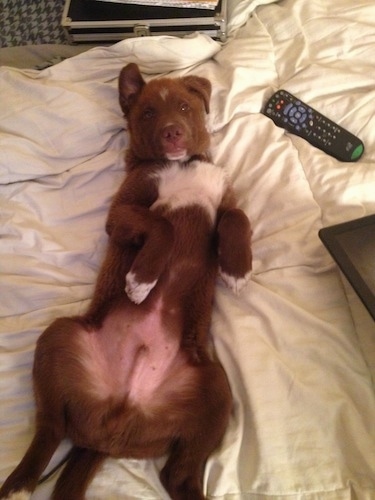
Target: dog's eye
[148,113]
[184,106]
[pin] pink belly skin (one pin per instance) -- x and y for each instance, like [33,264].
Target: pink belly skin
[134,354]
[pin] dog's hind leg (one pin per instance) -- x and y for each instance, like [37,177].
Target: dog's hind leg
[201,434]
[182,474]
[24,479]
[77,474]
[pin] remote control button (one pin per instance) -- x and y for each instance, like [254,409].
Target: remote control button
[287,108]
[357,152]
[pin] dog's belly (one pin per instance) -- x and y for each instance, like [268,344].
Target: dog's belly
[123,387]
[133,355]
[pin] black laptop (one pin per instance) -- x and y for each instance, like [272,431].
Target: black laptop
[352,245]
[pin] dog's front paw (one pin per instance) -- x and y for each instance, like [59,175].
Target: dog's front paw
[235,283]
[136,291]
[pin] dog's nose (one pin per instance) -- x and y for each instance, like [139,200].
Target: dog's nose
[172,133]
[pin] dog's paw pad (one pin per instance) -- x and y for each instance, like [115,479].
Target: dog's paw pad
[235,283]
[137,292]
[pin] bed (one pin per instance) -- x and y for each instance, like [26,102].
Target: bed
[297,344]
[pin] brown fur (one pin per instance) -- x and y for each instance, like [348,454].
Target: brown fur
[133,377]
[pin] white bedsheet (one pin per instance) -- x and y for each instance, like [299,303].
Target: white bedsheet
[297,344]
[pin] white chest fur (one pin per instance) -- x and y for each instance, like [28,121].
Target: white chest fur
[200,183]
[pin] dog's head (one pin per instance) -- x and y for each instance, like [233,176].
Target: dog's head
[166,117]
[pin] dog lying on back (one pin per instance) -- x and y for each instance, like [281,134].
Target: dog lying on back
[133,377]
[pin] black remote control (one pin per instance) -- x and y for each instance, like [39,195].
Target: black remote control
[290,113]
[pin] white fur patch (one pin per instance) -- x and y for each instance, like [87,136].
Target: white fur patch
[164,93]
[137,292]
[18,495]
[235,284]
[198,183]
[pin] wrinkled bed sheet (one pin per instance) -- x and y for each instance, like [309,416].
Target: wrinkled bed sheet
[297,344]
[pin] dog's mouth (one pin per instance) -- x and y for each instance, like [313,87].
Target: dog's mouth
[178,154]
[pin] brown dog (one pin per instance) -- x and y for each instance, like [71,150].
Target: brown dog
[134,377]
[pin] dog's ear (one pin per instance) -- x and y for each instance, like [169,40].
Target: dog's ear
[200,86]
[130,86]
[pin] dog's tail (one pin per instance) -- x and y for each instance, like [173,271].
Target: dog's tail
[56,468]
